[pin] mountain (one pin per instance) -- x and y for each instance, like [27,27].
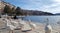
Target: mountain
[35,12]
[57,14]
[24,12]
[3,4]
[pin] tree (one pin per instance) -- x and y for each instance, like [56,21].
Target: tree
[7,9]
[13,10]
[18,11]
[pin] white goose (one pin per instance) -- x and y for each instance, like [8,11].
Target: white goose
[48,27]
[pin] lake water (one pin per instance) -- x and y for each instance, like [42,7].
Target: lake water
[43,19]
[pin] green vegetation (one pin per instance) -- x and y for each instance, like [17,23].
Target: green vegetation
[12,11]
[7,9]
[18,11]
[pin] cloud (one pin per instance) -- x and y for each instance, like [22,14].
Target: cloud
[52,6]
[58,1]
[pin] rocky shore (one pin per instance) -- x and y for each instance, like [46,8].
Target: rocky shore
[40,28]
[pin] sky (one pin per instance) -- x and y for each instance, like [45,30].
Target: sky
[52,6]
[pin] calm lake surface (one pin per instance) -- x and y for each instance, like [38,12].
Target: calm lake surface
[42,19]
[53,20]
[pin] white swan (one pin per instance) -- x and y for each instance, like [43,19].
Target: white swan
[12,25]
[28,26]
[31,24]
[48,28]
